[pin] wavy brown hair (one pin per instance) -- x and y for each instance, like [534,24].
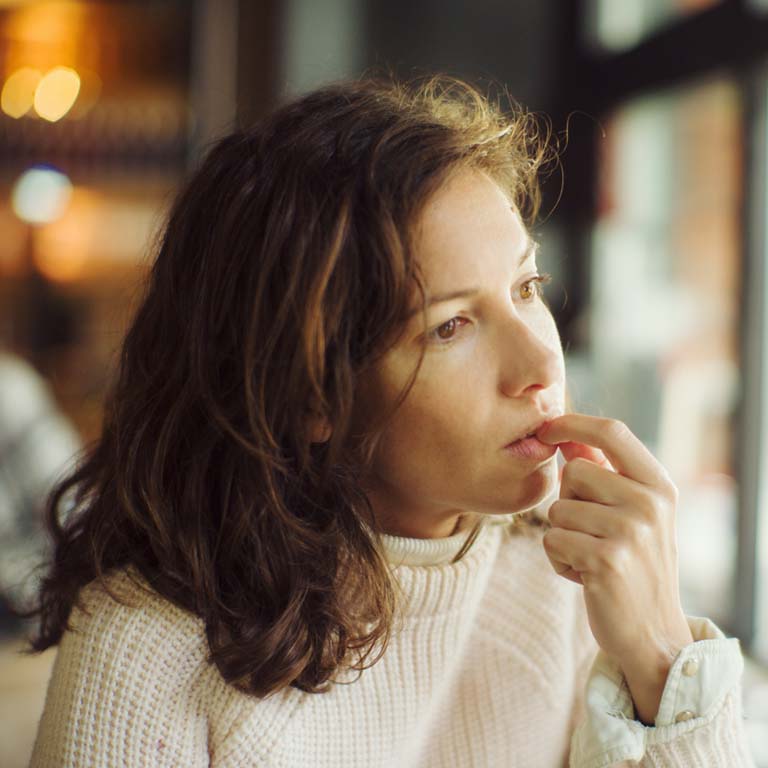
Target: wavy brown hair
[284,271]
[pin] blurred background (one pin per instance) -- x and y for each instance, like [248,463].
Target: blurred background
[655,232]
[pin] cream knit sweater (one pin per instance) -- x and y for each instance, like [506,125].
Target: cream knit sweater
[495,666]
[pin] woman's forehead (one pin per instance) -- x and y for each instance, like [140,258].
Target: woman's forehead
[467,219]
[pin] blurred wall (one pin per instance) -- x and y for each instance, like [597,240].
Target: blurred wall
[513,41]
[290,47]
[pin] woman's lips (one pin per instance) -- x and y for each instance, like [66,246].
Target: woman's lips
[531,448]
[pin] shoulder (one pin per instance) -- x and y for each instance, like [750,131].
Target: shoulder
[131,677]
[125,621]
[123,635]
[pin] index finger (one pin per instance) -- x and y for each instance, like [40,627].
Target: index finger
[623,449]
[575,450]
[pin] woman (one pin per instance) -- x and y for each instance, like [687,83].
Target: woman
[318,530]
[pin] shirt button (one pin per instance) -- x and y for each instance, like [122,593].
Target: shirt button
[690,668]
[686,714]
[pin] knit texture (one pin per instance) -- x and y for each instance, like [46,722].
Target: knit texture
[488,667]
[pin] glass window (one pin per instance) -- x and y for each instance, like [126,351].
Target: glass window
[664,318]
[761,587]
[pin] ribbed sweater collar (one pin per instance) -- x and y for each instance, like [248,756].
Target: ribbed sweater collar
[430,583]
[401,550]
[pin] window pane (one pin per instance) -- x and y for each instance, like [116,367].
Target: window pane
[664,318]
[619,25]
[761,587]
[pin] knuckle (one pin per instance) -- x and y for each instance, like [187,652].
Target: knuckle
[657,508]
[671,491]
[646,509]
[611,557]
[640,534]
[616,429]
[649,506]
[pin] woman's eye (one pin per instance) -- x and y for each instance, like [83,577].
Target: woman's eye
[446,331]
[534,287]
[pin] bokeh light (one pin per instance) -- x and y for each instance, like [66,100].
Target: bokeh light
[40,195]
[63,248]
[56,93]
[18,93]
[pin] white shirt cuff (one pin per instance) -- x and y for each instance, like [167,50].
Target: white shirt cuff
[696,686]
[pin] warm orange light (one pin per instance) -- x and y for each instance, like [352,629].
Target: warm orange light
[19,92]
[64,246]
[44,34]
[56,93]
[62,265]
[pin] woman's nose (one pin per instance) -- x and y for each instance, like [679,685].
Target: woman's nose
[531,358]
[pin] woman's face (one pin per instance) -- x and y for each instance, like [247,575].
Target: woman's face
[492,372]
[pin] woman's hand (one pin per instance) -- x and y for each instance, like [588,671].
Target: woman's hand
[613,531]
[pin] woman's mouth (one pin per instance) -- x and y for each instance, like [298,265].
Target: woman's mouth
[530,447]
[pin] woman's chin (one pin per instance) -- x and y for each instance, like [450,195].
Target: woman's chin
[549,483]
[540,488]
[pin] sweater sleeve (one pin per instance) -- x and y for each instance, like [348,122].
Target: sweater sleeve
[124,689]
[699,723]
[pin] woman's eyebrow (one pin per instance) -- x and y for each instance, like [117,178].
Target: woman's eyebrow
[530,250]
